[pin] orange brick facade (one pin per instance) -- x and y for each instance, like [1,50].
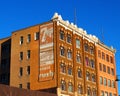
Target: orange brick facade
[58,57]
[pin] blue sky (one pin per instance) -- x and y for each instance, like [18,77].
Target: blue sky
[98,17]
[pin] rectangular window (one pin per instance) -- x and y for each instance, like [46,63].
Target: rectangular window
[28,54]
[113,84]
[101,80]
[28,70]
[107,57]
[104,68]
[108,70]
[62,51]
[20,85]
[21,71]
[36,36]
[28,38]
[28,85]
[111,59]
[109,83]
[99,53]
[87,61]
[103,55]
[21,40]
[105,82]
[21,55]
[112,71]
[77,43]
[100,66]
[69,70]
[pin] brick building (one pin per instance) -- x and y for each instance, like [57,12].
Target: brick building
[58,57]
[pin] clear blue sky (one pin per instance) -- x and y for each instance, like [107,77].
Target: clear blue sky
[98,17]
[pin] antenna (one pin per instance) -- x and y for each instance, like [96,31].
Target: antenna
[102,34]
[75,18]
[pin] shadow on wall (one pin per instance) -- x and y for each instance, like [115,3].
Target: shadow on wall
[13,91]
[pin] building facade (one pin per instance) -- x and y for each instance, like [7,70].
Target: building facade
[106,68]
[60,58]
[5,53]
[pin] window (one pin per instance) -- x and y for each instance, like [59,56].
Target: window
[108,70]
[106,93]
[99,53]
[62,68]
[61,35]
[101,80]
[28,70]
[93,78]
[28,85]
[105,82]
[21,40]
[77,43]
[87,61]
[94,92]
[69,54]
[102,93]
[28,38]
[109,83]
[20,85]
[79,73]
[63,85]
[103,55]
[36,36]
[70,87]
[104,68]
[78,58]
[114,95]
[87,75]
[21,55]
[69,38]
[110,94]
[112,71]
[69,70]
[21,71]
[111,59]
[88,91]
[100,66]
[28,54]
[91,50]
[62,51]
[86,47]
[113,84]
[92,64]
[80,89]
[107,57]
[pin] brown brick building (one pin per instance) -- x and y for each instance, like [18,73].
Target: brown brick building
[60,58]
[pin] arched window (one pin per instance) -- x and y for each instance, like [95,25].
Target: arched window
[86,48]
[69,70]
[87,75]
[88,91]
[78,58]
[69,54]
[79,73]
[70,87]
[62,51]
[94,92]
[80,89]
[87,61]
[69,39]
[91,50]
[63,85]
[93,78]
[62,35]
[92,64]
[62,68]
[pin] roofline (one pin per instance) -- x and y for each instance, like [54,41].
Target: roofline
[31,26]
[9,37]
